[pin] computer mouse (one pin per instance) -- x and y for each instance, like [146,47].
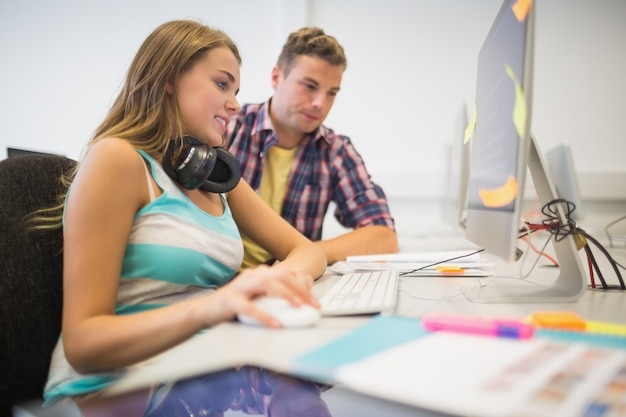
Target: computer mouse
[288,315]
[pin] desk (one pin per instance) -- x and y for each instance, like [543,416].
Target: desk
[233,344]
[420,295]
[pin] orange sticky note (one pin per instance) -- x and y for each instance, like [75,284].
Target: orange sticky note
[559,320]
[521,8]
[501,196]
[449,269]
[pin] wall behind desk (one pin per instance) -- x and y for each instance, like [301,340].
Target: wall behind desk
[411,67]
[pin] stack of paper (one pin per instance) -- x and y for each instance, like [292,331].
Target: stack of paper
[439,263]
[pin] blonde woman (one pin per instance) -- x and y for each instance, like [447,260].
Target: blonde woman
[150,259]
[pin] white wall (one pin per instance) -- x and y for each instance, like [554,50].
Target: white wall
[63,61]
[411,65]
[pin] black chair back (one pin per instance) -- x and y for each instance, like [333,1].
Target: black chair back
[30,276]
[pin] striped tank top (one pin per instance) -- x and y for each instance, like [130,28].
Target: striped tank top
[175,251]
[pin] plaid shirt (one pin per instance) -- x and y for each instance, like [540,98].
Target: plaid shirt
[326,168]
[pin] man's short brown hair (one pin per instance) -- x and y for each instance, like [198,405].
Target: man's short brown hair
[311,41]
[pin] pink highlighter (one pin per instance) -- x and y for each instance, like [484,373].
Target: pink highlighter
[495,327]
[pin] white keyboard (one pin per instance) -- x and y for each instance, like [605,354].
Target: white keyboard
[361,293]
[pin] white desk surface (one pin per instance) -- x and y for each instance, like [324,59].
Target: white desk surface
[233,344]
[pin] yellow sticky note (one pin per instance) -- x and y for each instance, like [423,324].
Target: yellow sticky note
[606,328]
[469,130]
[519,110]
[521,9]
[501,196]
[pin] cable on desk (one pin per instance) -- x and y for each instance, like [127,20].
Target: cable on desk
[582,239]
[606,229]
[559,231]
[476,284]
[440,262]
[541,252]
[436,300]
[614,264]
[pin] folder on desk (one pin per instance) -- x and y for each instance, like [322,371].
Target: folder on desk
[395,358]
[377,335]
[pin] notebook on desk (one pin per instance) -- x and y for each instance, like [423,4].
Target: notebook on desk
[493,376]
[397,359]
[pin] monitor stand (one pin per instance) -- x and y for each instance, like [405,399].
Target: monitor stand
[571,282]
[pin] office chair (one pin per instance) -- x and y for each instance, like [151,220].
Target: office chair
[30,277]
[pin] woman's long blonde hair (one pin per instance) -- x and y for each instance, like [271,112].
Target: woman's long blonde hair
[144,114]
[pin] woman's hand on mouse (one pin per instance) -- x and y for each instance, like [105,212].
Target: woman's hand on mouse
[236,297]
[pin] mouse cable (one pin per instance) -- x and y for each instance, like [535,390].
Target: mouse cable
[606,229]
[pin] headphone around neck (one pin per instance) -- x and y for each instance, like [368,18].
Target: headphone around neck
[201,166]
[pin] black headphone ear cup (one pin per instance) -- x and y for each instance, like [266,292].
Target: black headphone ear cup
[201,166]
[225,175]
[197,167]
[194,164]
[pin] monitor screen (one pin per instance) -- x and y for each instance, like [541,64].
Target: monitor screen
[11,152]
[500,143]
[455,197]
[503,150]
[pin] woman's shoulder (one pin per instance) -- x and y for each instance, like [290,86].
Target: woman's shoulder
[120,150]
[115,155]
[113,145]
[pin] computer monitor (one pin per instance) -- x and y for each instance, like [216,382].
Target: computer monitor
[502,150]
[454,208]
[11,152]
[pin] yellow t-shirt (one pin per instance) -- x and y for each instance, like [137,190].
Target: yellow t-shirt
[278,162]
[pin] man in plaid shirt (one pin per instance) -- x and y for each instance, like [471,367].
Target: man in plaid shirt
[298,166]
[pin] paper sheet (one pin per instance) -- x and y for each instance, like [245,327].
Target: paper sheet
[493,376]
[466,256]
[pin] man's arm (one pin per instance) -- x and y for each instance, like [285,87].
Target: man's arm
[361,241]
